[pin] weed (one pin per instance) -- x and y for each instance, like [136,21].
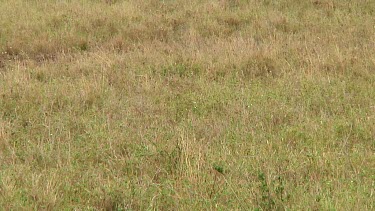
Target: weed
[266,201]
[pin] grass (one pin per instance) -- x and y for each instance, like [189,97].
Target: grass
[206,105]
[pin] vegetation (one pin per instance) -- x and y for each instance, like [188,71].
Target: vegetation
[187,105]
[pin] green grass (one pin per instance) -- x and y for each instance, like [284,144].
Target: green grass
[206,105]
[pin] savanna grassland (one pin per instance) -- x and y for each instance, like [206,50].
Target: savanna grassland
[187,105]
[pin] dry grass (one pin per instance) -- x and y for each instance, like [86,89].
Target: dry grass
[206,105]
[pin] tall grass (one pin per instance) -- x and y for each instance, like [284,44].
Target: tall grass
[175,105]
